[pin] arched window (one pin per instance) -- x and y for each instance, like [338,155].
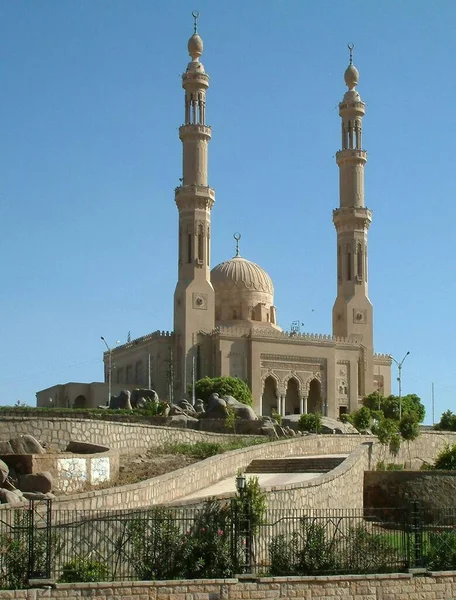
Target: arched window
[200,242]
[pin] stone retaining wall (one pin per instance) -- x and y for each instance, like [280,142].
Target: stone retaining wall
[127,437]
[435,490]
[400,586]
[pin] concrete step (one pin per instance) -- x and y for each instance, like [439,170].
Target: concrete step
[320,464]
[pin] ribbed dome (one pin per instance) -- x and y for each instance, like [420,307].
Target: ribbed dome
[240,273]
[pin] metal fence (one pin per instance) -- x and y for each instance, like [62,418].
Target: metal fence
[219,540]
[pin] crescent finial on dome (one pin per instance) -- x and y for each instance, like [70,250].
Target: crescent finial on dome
[237,236]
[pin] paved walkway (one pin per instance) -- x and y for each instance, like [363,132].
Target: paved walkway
[228,485]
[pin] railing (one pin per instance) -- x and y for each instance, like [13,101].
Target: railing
[219,540]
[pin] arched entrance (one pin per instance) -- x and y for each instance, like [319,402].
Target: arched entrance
[292,397]
[80,402]
[314,403]
[269,400]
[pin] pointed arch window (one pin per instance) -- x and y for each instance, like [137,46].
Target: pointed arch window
[349,264]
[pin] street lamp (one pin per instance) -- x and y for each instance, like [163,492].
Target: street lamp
[109,368]
[399,378]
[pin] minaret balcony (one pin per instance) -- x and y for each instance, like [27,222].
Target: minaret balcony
[351,156]
[194,130]
[348,218]
[194,196]
[196,79]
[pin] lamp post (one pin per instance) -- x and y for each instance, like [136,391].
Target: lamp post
[109,368]
[399,379]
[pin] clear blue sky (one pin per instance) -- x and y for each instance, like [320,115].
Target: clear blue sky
[91,102]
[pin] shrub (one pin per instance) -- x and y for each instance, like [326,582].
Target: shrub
[447,422]
[277,417]
[441,554]
[80,570]
[446,459]
[306,552]
[366,552]
[223,386]
[310,422]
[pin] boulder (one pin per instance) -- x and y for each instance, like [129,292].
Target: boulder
[242,411]
[32,445]
[139,398]
[216,408]
[199,406]
[38,496]
[36,482]
[4,472]
[85,448]
[17,446]
[187,408]
[121,402]
[7,497]
[5,448]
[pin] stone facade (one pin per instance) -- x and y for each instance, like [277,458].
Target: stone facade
[396,586]
[225,320]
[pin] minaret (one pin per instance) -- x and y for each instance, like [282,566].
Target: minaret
[352,311]
[194,295]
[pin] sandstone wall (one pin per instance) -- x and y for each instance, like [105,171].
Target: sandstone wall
[387,489]
[401,586]
[127,437]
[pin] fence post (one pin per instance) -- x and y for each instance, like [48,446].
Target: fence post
[39,540]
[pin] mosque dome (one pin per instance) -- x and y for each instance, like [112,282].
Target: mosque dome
[244,294]
[241,275]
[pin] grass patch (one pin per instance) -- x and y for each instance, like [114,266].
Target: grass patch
[202,450]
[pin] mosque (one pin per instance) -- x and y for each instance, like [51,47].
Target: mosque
[225,320]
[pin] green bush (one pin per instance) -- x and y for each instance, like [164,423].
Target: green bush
[366,552]
[310,422]
[81,570]
[223,386]
[361,419]
[446,459]
[441,553]
[307,551]
[163,551]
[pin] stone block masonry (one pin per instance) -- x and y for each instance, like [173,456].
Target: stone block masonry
[400,586]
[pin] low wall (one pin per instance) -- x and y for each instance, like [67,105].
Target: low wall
[127,437]
[388,489]
[401,586]
[170,487]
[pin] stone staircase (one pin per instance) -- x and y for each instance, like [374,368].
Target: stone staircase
[314,464]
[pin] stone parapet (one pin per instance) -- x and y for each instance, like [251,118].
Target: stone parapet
[391,586]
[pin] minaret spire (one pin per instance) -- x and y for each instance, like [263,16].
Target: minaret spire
[194,310]
[352,311]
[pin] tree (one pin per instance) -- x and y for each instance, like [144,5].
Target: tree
[361,419]
[223,386]
[409,429]
[447,422]
[310,422]
[391,407]
[387,432]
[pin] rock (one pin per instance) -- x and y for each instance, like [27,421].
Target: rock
[122,401]
[5,448]
[7,497]
[139,398]
[38,496]
[17,446]
[187,408]
[36,482]
[216,408]
[175,410]
[269,431]
[85,447]
[4,472]
[32,445]
[199,406]
[242,411]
